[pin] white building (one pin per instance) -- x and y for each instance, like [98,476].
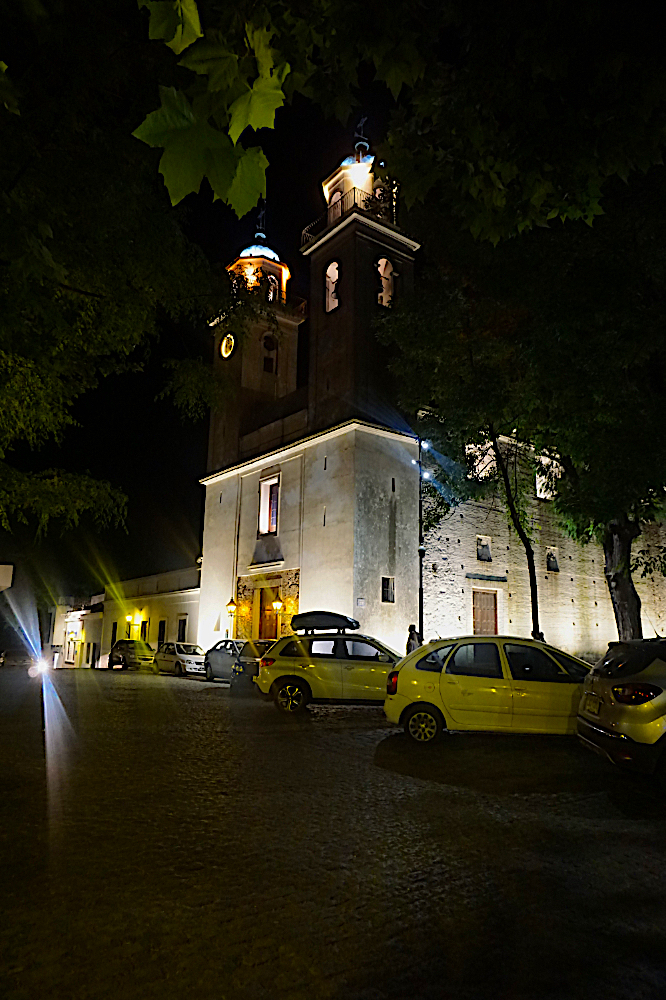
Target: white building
[312,490]
[160,608]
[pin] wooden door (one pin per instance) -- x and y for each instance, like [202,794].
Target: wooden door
[485,612]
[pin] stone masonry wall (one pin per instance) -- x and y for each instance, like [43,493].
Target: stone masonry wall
[575,608]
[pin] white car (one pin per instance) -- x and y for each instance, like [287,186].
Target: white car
[180,658]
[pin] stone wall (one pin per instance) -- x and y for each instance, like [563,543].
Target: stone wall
[575,609]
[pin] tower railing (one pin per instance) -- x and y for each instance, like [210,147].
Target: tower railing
[379,204]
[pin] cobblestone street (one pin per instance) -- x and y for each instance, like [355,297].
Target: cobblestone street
[175,840]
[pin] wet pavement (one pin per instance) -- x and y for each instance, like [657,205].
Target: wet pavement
[172,839]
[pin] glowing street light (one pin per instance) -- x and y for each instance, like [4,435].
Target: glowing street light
[231,607]
[277,605]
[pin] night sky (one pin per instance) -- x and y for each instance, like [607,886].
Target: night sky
[142,445]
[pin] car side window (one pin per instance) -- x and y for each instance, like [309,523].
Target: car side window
[475,659]
[358,650]
[435,660]
[322,647]
[576,671]
[295,648]
[529,664]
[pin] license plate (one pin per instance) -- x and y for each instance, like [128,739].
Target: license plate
[592,704]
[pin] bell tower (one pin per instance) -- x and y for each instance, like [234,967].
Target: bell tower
[267,400]
[360,262]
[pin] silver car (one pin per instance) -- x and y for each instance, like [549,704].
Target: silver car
[622,712]
[180,658]
[221,658]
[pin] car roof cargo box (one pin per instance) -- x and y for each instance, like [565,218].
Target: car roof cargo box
[310,621]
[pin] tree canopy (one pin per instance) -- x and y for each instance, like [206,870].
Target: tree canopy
[520,116]
[92,256]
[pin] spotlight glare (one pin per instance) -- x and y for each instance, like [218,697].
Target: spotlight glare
[426,475]
[413,461]
[425,445]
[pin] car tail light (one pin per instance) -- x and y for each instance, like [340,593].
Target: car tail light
[392,682]
[635,694]
[265,662]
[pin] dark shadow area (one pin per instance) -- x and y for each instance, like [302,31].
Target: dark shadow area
[521,765]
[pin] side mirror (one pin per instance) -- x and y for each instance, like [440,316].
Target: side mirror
[385,658]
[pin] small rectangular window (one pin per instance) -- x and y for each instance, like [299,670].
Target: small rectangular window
[87,652]
[144,630]
[483,548]
[182,629]
[324,463]
[114,633]
[269,490]
[393,486]
[161,632]
[552,564]
[388,590]
[324,520]
[268,364]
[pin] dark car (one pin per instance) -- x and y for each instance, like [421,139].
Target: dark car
[131,654]
[247,663]
[220,659]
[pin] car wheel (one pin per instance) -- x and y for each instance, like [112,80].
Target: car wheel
[209,673]
[291,697]
[179,670]
[423,724]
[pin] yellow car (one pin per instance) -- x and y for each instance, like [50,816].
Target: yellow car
[498,683]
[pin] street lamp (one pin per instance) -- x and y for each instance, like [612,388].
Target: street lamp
[231,611]
[423,446]
[277,605]
[128,619]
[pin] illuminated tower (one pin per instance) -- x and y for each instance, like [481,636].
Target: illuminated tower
[360,262]
[266,388]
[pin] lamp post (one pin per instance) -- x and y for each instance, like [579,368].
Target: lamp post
[231,611]
[277,608]
[423,446]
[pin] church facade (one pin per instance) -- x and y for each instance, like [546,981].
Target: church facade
[312,487]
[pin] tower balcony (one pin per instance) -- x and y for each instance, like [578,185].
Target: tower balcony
[380,204]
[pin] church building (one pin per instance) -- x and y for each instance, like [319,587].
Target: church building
[312,490]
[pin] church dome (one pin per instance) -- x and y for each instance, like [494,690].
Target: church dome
[349,160]
[259,250]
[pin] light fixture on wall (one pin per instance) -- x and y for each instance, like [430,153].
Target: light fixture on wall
[231,607]
[277,605]
[128,618]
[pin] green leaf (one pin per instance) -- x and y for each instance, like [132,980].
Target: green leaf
[7,92]
[256,108]
[249,183]
[210,57]
[174,115]
[259,39]
[221,169]
[183,166]
[176,22]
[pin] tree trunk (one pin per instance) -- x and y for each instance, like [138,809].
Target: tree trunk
[522,534]
[617,541]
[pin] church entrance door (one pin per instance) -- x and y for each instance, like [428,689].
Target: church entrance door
[267,615]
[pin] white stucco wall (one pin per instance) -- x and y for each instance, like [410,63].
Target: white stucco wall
[574,606]
[386,535]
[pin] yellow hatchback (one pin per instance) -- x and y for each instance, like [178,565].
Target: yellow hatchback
[498,683]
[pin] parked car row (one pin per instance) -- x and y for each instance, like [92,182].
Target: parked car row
[489,683]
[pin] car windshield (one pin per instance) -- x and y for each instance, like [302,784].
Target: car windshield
[140,647]
[256,649]
[625,659]
[187,649]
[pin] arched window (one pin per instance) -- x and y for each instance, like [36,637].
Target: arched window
[386,277]
[272,292]
[332,278]
[334,207]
